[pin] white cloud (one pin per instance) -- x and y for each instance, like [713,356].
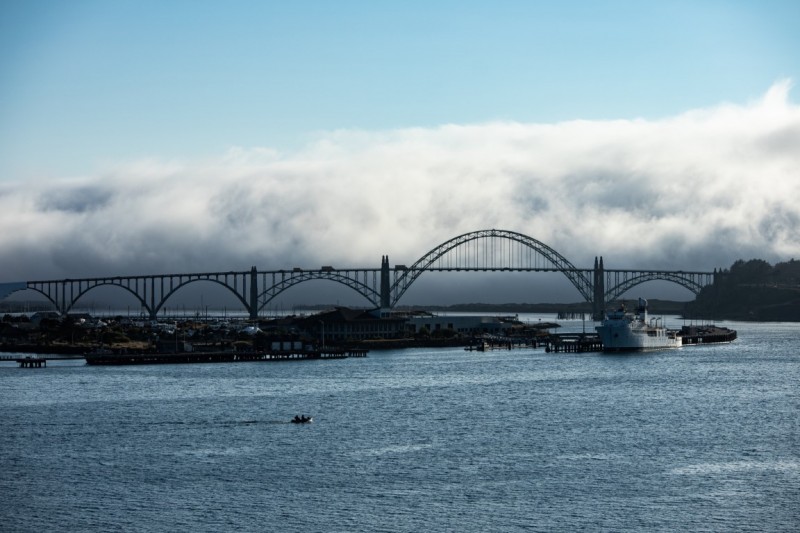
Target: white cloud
[694,191]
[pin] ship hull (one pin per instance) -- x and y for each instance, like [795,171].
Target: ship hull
[623,332]
[622,339]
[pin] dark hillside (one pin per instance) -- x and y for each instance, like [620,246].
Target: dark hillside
[752,290]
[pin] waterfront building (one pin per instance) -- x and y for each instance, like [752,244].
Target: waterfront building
[344,324]
[466,325]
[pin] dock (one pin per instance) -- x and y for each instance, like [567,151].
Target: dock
[220,357]
[495,342]
[590,342]
[31,362]
[710,334]
[573,343]
[555,343]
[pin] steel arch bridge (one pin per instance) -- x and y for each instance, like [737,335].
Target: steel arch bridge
[484,250]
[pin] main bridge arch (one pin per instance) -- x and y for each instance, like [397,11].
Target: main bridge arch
[491,249]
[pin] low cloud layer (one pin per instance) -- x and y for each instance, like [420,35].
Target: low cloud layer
[694,191]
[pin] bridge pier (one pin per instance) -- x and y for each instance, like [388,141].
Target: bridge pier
[386,298]
[253,294]
[599,300]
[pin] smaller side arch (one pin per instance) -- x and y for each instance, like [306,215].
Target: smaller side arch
[175,288]
[104,283]
[7,289]
[296,278]
[28,286]
[59,308]
[688,282]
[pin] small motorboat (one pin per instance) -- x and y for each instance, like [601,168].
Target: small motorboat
[302,419]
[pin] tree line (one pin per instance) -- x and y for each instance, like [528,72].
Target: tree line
[751,290]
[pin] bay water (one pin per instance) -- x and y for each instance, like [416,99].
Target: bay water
[704,438]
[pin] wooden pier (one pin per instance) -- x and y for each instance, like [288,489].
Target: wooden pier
[31,362]
[571,315]
[573,343]
[494,342]
[220,357]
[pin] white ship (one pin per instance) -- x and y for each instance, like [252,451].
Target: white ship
[623,331]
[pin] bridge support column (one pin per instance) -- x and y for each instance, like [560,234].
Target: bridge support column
[253,293]
[386,298]
[153,308]
[599,300]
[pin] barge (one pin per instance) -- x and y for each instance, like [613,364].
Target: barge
[706,335]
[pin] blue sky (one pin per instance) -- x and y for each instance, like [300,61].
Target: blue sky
[182,136]
[88,82]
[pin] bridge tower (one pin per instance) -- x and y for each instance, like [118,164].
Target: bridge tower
[599,302]
[386,296]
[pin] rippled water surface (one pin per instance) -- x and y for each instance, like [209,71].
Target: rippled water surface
[702,438]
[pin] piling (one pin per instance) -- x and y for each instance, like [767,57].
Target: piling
[573,343]
[32,362]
